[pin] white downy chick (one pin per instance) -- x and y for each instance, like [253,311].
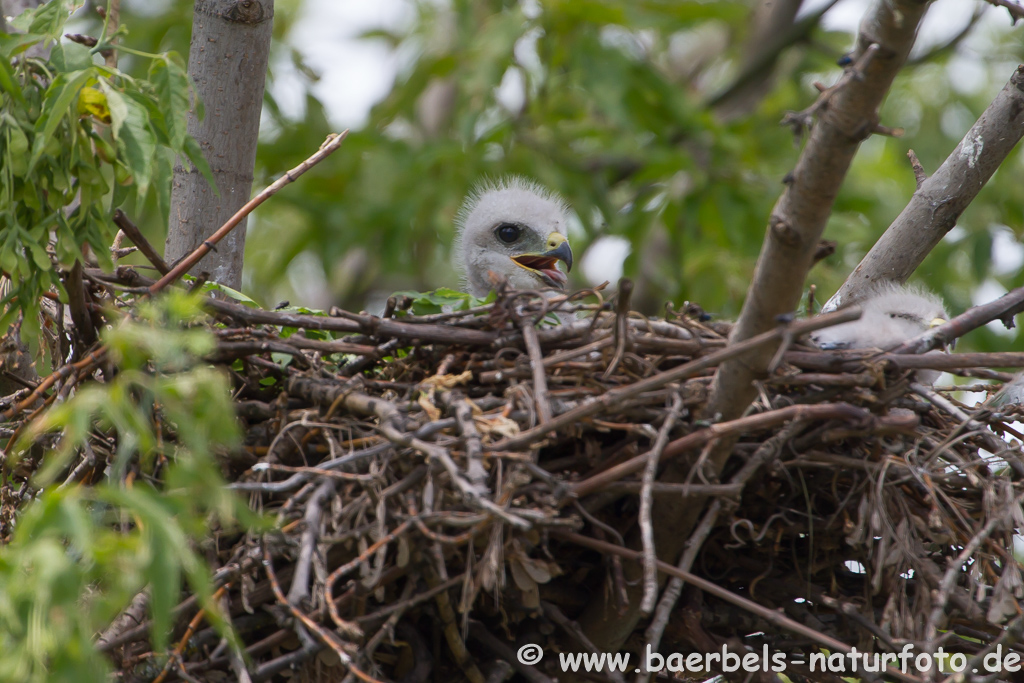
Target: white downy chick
[516,229]
[892,314]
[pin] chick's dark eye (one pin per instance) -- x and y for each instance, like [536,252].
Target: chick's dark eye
[507,232]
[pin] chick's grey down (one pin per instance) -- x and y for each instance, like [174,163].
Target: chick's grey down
[514,229]
[891,315]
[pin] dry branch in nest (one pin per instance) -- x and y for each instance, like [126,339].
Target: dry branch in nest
[451,487]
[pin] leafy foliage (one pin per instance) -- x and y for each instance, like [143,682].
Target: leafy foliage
[79,554]
[611,104]
[78,138]
[440,300]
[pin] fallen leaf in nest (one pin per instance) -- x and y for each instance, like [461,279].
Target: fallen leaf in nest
[1007,595]
[426,401]
[496,425]
[525,583]
[445,381]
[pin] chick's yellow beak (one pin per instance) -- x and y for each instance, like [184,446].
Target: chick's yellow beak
[545,264]
[558,248]
[937,321]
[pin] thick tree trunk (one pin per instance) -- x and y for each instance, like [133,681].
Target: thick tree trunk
[228,63]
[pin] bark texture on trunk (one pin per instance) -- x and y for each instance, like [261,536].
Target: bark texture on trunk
[228,63]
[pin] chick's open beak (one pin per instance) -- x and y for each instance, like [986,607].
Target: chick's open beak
[545,264]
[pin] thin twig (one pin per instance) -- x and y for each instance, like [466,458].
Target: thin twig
[647,503]
[330,146]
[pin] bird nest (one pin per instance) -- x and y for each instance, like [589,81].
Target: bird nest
[452,487]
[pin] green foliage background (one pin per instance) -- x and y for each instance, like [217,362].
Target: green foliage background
[616,119]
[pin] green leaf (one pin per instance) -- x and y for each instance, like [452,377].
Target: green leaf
[195,154]
[12,44]
[171,84]
[7,82]
[70,57]
[48,19]
[17,148]
[59,97]
[227,291]
[130,126]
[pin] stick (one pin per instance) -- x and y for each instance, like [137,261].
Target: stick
[1004,308]
[823,411]
[332,144]
[613,397]
[540,380]
[940,199]
[646,504]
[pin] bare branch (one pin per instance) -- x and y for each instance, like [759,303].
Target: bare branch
[1015,9]
[919,175]
[939,200]
[799,217]
[206,246]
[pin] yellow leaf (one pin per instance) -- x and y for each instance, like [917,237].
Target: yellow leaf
[93,102]
[446,381]
[427,403]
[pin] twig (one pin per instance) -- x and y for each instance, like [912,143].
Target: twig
[325,637]
[192,626]
[939,200]
[674,490]
[84,365]
[801,121]
[955,570]
[111,19]
[307,546]
[769,449]
[799,217]
[330,146]
[540,381]
[700,438]
[456,644]
[615,396]
[389,416]
[621,325]
[463,411]
[919,175]
[1015,9]
[345,626]
[503,651]
[647,503]
[139,240]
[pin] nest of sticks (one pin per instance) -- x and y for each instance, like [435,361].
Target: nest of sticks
[451,487]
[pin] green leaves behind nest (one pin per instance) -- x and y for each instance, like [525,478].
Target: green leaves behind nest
[440,301]
[77,139]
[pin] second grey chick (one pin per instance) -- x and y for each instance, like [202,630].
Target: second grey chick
[892,314]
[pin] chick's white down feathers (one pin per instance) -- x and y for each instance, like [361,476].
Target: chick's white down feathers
[891,314]
[537,212]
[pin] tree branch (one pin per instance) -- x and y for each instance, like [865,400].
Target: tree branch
[794,230]
[799,217]
[940,199]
